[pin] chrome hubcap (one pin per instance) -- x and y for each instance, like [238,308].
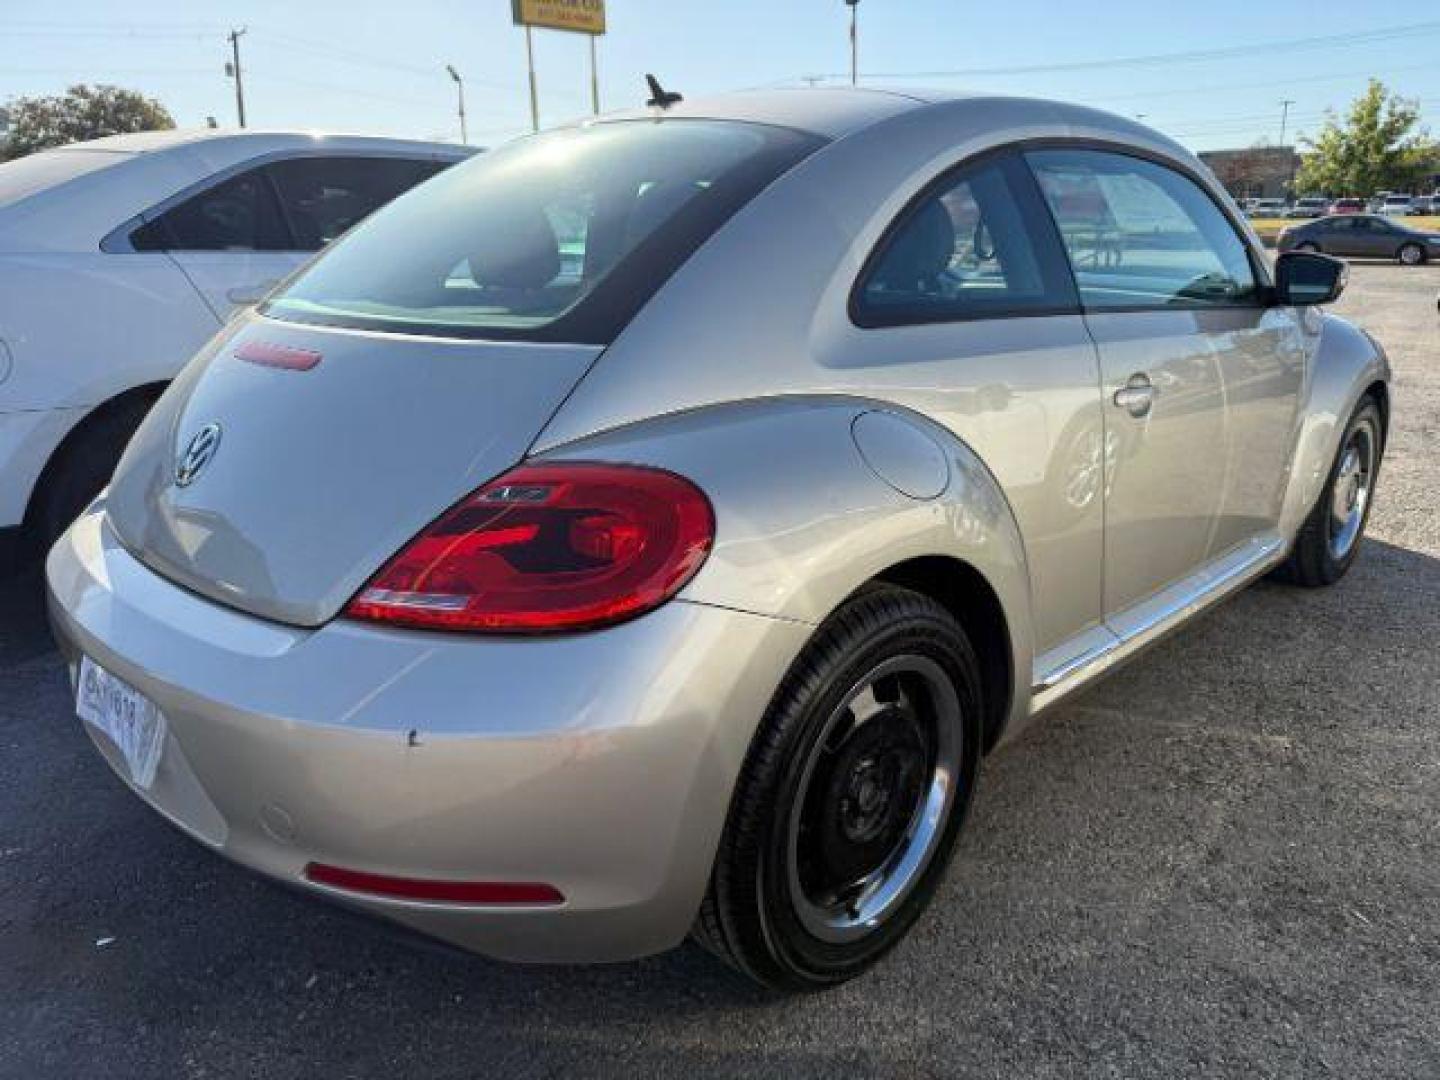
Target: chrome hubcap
[1350,495]
[873,798]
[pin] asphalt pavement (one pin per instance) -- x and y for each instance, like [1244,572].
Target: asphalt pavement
[1222,861]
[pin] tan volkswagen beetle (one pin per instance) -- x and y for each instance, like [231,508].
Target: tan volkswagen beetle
[646,528]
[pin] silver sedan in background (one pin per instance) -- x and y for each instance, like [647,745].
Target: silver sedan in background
[646,529]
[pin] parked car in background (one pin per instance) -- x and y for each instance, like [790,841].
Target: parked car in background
[1364,235]
[561,608]
[1268,208]
[1396,205]
[1311,206]
[1421,206]
[120,257]
[1348,206]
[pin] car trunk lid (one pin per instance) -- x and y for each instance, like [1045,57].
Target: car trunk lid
[286,464]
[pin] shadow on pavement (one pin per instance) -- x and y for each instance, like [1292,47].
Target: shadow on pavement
[1163,865]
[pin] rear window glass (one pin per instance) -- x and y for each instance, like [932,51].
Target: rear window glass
[560,236]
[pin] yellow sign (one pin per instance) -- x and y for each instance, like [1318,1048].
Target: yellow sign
[584,16]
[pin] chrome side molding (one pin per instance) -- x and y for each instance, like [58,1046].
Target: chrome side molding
[1151,619]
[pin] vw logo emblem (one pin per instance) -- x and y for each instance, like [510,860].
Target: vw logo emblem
[197,454]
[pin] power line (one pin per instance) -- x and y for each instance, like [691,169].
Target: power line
[1334,76]
[1329,41]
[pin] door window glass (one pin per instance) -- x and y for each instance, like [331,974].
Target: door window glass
[237,214]
[324,196]
[1140,234]
[965,251]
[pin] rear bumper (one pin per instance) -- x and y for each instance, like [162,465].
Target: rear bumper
[600,763]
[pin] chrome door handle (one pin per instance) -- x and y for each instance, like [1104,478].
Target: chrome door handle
[1137,395]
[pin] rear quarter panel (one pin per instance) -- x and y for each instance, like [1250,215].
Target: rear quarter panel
[81,328]
[803,520]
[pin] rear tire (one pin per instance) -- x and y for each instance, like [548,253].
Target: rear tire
[81,467]
[1410,255]
[1330,538]
[851,797]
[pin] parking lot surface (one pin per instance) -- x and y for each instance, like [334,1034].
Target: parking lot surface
[1224,860]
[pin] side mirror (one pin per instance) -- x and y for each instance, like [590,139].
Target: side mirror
[1304,278]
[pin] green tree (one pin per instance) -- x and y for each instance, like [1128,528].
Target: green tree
[1379,146]
[82,112]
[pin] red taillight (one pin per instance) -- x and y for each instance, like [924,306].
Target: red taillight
[548,548]
[432,890]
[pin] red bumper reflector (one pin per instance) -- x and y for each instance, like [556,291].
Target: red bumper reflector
[268,354]
[439,892]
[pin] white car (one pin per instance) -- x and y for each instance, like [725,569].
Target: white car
[1396,205]
[119,258]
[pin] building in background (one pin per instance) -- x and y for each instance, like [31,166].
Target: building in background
[1256,172]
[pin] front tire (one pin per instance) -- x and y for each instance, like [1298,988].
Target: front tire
[1410,255]
[851,797]
[1330,538]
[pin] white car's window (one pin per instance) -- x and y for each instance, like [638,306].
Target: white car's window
[965,251]
[295,204]
[324,196]
[1140,234]
[237,214]
[555,237]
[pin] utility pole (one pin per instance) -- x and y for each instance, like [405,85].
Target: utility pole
[460,89]
[854,6]
[1289,158]
[233,68]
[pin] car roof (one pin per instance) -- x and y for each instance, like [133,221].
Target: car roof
[144,142]
[835,112]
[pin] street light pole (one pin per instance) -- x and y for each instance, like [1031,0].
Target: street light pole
[534,89]
[854,6]
[594,79]
[1289,158]
[460,90]
[235,36]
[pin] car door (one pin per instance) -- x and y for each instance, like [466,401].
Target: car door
[1376,238]
[966,313]
[1333,235]
[1172,300]
[230,239]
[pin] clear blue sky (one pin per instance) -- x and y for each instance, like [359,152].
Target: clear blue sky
[372,67]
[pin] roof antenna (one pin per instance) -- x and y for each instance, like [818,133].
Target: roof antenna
[659,96]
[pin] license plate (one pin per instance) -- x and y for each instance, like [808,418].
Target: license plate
[130,719]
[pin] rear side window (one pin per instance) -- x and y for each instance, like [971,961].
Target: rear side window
[1142,235]
[324,196]
[557,237]
[237,214]
[965,251]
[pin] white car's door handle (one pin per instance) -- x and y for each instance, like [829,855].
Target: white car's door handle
[251,294]
[1137,395]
